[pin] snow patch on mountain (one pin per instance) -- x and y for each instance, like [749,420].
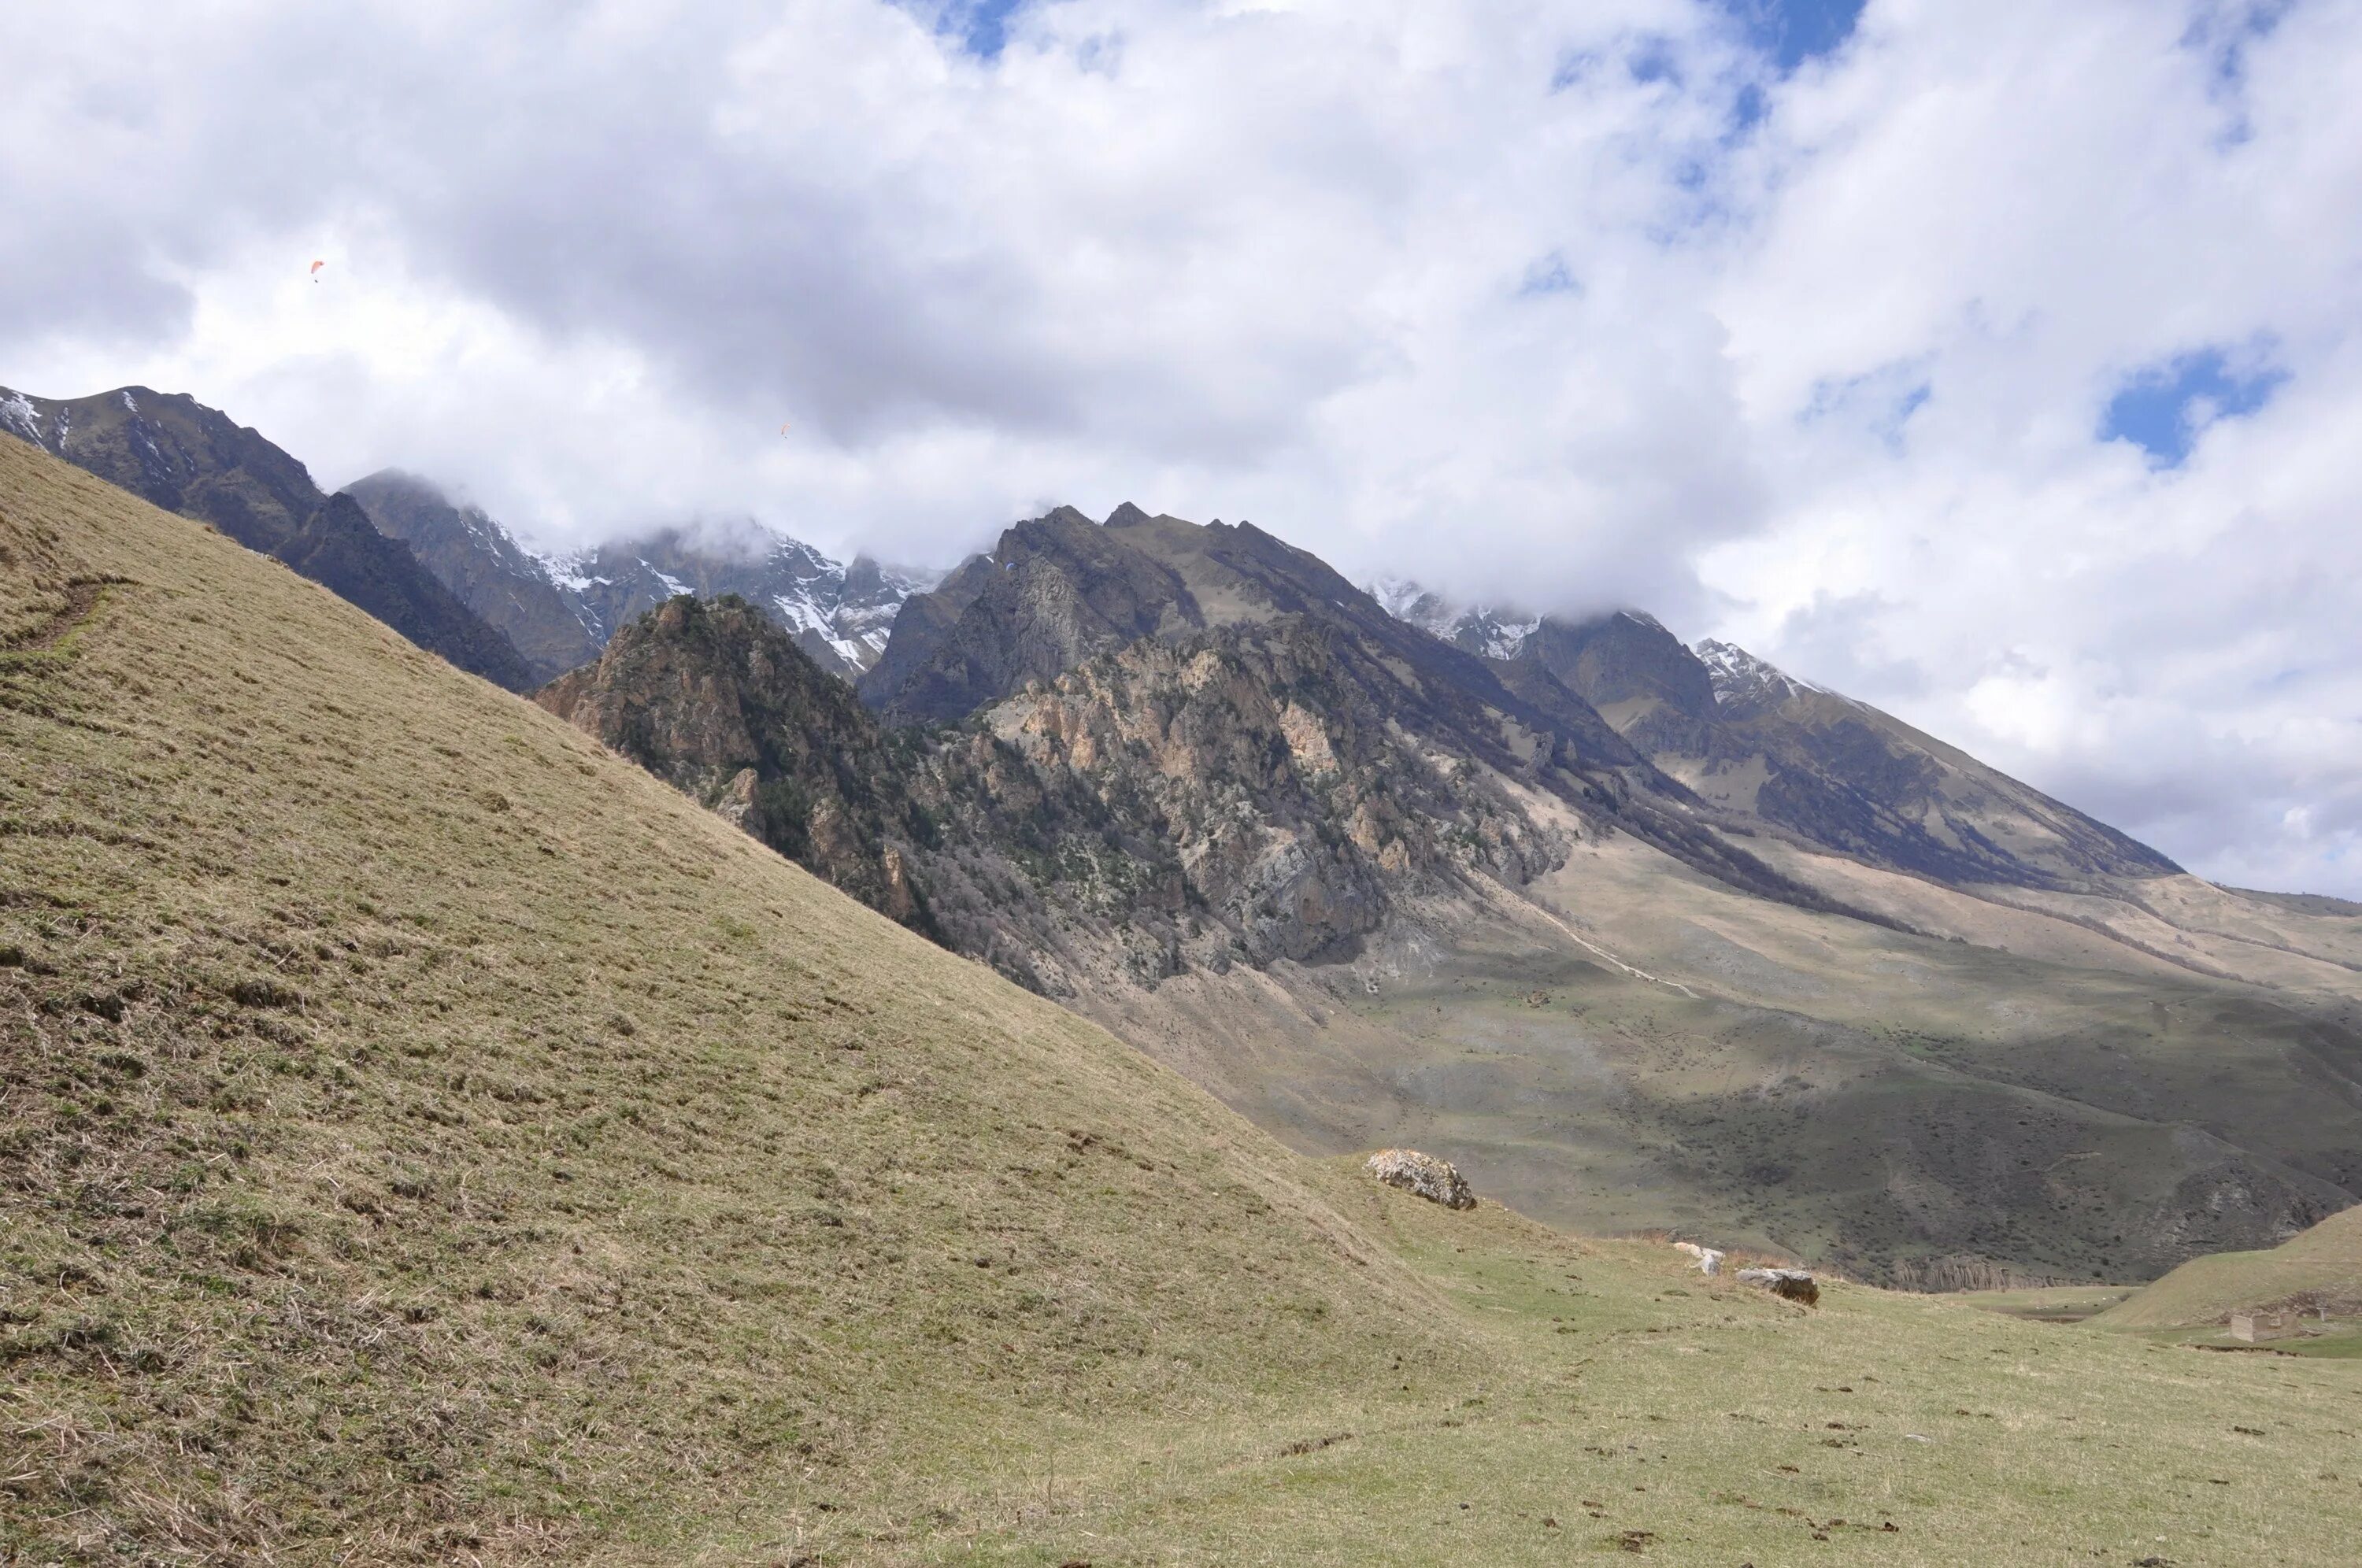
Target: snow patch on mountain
[566,570]
[1741,679]
[17,413]
[1480,629]
[841,613]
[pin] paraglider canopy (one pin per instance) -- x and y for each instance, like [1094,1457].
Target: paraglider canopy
[315,269]
[783,429]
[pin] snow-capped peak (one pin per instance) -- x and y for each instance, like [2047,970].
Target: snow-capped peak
[1741,678]
[1480,629]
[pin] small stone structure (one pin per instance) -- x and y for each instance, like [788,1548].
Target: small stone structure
[1429,1177]
[2247,1327]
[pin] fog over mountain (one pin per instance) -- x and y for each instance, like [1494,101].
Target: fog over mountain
[1992,364]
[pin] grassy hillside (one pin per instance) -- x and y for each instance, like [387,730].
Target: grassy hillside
[1627,1407]
[2320,1269]
[420,1124]
[429,1138]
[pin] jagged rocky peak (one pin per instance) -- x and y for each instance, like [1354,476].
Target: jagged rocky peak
[839,614]
[561,607]
[1487,630]
[1743,681]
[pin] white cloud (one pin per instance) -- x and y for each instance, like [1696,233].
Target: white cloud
[1500,293]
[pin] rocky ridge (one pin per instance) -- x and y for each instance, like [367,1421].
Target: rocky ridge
[176,453]
[564,607]
[1775,755]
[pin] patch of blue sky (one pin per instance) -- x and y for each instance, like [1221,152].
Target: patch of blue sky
[1794,31]
[2220,32]
[1652,60]
[1880,401]
[2163,408]
[981,27]
[1548,275]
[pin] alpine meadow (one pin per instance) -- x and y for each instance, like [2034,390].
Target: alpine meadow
[1173,783]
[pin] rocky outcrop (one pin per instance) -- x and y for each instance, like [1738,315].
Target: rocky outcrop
[1057,591]
[1788,1284]
[720,702]
[1422,1176]
[1060,596]
[1299,810]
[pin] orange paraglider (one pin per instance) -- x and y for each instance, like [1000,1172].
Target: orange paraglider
[315,269]
[783,429]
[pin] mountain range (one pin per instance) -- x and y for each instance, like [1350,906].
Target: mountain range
[1640,934]
[435,1135]
[561,609]
[442,573]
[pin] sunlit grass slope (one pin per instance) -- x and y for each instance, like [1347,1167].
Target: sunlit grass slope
[1627,1405]
[424,1133]
[425,1138]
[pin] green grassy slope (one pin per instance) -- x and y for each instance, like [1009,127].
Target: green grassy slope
[2321,1267]
[1627,1406]
[427,1138]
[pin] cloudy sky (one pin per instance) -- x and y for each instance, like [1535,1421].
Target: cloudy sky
[1998,363]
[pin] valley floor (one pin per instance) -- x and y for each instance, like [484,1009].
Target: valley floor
[1623,1404]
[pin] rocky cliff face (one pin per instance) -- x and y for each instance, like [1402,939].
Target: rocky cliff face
[1236,796]
[1056,591]
[1059,592]
[179,455]
[717,701]
[1147,749]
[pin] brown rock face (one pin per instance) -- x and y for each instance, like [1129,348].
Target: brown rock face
[720,702]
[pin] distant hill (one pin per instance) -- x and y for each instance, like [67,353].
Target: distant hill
[176,453]
[2316,1271]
